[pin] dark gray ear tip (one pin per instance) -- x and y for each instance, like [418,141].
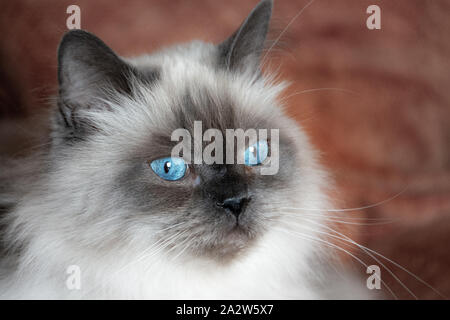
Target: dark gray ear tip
[262,11]
[264,5]
[79,45]
[261,15]
[73,35]
[76,33]
[242,50]
[268,3]
[76,37]
[69,43]
[69,39]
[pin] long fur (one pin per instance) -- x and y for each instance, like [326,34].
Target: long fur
[87,207]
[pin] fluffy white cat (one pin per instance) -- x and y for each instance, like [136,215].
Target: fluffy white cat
[109,214]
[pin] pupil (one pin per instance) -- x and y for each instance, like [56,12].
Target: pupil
[167,166]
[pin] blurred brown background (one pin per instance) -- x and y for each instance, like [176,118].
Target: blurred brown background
[379,111]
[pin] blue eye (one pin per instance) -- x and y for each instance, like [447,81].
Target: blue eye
[256,153]
[171,169]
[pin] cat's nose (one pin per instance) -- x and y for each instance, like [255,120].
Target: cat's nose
[235,205]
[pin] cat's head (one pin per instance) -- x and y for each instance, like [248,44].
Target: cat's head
[114,153]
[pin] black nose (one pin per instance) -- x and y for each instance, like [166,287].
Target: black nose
[235,205]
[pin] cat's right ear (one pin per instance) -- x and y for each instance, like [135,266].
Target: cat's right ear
[86,67]
[89,71]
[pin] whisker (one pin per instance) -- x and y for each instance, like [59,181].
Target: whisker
[345,209]
[157,247]
[353,223]
[320,89]
[285,29]
[349,218]
[184,249]
[343,220]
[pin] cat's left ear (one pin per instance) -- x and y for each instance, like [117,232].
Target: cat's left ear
[242,51]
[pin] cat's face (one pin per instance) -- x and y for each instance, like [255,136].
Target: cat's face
[219,209]
[112,139]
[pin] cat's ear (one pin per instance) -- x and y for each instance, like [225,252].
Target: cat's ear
[242,51]
[89,71]
[87,66]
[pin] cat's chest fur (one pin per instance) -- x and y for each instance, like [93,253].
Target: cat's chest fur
[280,274]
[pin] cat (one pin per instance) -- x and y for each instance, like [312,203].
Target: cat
[102,198]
